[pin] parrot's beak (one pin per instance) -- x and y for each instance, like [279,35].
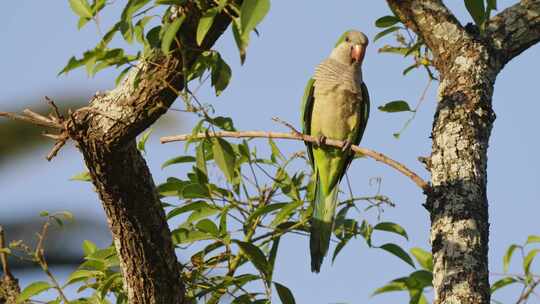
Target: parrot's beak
[357,53]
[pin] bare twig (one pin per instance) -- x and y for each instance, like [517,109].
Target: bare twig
[527,293]
[3,255]
[308,138]
[39,254]
[54,120]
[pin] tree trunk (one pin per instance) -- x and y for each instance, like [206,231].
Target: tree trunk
[468,63]
[458,202]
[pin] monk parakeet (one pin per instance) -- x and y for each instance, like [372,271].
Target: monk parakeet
[335,106]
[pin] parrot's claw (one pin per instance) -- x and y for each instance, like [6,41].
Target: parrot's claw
[321,140]
[346,146]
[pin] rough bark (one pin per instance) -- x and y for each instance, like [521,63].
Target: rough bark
[468,65]
[105,133]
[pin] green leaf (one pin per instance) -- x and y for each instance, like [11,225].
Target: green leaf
[182,236]
[208,226]
[272,255]
[386,21]
[399,252]
[81,8]
[396,106]
[252,13]
[141,145]
[339,247]
[224,157]
[202,212]
[255,255]
[424,258]
[508,256]
[395,285]
[205,23]
[221,75]
[33,290]
[81,275]
[533,239]
[275,150]
[285,213]
[409,68]
[83,177]
[178,160]
[386,32]
[529,258]
[186,208]
[392,227]
[122,75]
[170,33]
[420,279]
[265,209]
[242,41]
[476,10]
[195,190]
[225,123]
[88,247]
[502,283]
[284,293]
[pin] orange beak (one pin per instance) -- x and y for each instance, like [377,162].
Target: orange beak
[357,53]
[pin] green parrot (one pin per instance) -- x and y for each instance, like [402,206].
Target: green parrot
[336,106]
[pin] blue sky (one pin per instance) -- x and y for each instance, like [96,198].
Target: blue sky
[39,36]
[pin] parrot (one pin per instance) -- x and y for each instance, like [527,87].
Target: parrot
[336,106]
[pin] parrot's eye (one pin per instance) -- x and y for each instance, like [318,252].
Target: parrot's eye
[347,39]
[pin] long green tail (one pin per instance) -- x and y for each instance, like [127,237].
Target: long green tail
[322,223]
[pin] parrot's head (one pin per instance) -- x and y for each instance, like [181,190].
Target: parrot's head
[350,48]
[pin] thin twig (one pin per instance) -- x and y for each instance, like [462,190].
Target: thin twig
[308,138]
[525,295]
[40,257]
[3,255]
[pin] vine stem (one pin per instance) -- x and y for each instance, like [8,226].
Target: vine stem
[295,135]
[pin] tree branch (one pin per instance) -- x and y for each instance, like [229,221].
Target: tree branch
[307,138]
[436,24]
[515,29]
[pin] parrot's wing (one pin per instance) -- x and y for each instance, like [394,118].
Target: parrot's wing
[307,110]
[364,112]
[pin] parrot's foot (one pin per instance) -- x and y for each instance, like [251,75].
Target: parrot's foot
[346,146]
[321,140]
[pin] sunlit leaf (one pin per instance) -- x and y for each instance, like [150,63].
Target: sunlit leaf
[508,256]
[178,160]
[424,258]
[252,13]
[141,145]
[170,34]
[529,258]
[224,157]
[205,23]
[81,8]
[502,283]
[33,290]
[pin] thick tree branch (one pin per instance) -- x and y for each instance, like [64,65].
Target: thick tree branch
[434,22]
[515,29]
[105,132]
[298,136]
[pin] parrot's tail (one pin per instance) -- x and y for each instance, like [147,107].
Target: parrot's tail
[322,223]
